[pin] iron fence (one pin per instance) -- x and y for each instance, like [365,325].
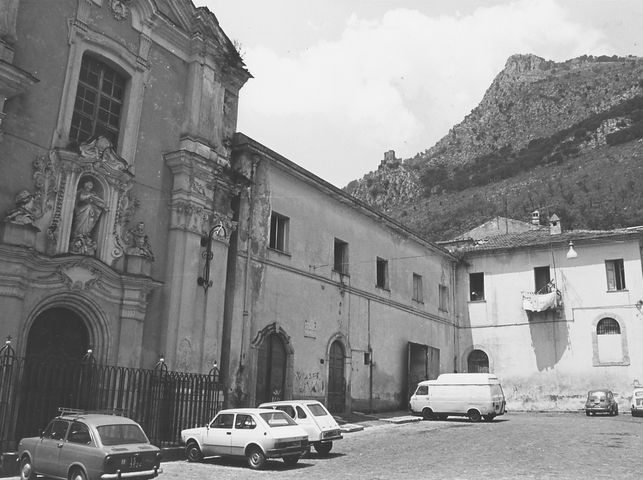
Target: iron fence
[164,402]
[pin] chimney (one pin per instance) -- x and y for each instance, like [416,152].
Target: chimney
[535,219]
[554,225]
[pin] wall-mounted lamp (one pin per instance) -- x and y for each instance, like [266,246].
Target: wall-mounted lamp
[571,253]
[206,241]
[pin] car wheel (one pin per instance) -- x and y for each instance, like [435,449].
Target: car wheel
[26,469]
[256,458]
[323,448]
[427,414]
[489,418]
[474,415]
[616,410]
[77,474]
[193,452]
[291,460]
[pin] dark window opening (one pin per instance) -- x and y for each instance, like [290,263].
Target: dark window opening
[340,258]
[279,232]
[382,274]
[542,279]
[615,274]
[476,286]
[608,326]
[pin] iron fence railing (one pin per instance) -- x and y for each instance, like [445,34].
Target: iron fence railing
[164,402]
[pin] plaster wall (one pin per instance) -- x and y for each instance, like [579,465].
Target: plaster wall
[548,360]
[314,305]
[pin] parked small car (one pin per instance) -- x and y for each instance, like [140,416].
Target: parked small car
[312,416]
[89,446]
[601,401]
[254,433]
[637,402]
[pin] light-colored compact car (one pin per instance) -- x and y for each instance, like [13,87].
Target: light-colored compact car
[257,434]
[601,401]
[89,446]
[312,416]
[637,402]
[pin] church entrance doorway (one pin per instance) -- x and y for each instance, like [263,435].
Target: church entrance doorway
[271,369]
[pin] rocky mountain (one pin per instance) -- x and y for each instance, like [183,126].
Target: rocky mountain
[562,136]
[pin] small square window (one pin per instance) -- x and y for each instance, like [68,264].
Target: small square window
[279,226]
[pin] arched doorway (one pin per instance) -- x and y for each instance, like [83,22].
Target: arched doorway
[58,333]
[336,378]
[271,369]
[478,362]
[52,376]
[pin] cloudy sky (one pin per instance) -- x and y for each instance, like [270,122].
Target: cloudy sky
[339,82]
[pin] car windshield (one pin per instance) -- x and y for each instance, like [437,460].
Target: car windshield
[121,434]
[277,418]
[638,393]
[317,409]
[597,396]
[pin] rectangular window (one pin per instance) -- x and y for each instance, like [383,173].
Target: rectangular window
[340,258]
[279,232]
[476,286]
[443,298]
[382,273]
[541,279]
[99,102]
[615,275]
[417,288]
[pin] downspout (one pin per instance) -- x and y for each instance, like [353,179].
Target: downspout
[456,341]
[246,282]
[370,359]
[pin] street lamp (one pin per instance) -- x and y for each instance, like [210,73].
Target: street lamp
[571,253]
[206,241]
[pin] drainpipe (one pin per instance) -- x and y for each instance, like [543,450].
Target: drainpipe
[246,314]
[370,360]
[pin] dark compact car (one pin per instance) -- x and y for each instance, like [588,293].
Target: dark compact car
[601,401]
[89,446]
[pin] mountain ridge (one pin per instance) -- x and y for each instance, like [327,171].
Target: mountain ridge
[536,113]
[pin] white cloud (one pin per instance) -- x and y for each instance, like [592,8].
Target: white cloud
[398,82]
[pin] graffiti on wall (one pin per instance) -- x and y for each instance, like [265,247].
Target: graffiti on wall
[309,383]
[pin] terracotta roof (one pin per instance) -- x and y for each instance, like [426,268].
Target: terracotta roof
[535,238]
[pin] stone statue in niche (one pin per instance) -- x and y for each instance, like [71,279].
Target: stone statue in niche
[139,243]
[89,207]
[23,211]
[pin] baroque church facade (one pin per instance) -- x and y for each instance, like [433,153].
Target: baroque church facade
[138,225]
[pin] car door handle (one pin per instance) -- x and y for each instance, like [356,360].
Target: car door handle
[228,433]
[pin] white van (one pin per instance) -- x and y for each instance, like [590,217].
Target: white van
[473,395]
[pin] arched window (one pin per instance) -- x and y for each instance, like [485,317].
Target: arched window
[609,341]
[478,362]
[608,326]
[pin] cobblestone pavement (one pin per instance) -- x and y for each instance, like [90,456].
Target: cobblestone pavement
[565,446]
[517,445]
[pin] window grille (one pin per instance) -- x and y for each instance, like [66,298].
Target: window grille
[608,326]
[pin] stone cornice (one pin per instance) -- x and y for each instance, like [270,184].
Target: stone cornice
[70,272]
[14,80]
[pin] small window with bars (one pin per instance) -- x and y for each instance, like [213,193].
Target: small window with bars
[608,326]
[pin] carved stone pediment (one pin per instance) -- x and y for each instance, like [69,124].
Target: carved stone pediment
[78,276]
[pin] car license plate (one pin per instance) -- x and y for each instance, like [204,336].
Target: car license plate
[135,462]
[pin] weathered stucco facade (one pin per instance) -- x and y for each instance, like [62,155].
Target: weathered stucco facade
[297,290]
[134,224]
[549,359]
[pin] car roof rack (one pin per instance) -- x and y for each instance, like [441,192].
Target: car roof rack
[121,412]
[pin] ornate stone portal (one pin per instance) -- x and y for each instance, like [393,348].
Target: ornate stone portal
[82,198]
